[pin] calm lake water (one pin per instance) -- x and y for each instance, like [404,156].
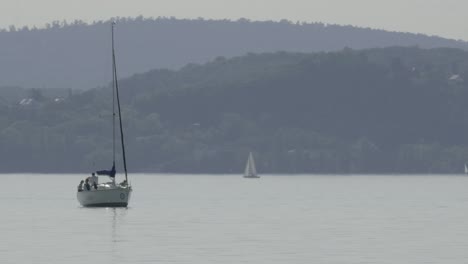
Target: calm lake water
[201,219]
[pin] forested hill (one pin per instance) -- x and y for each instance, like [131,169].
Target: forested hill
[76,55]
[392,110]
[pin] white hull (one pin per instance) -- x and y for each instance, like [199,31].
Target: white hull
[113,197]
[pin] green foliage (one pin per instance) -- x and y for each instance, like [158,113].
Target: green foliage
[374,111]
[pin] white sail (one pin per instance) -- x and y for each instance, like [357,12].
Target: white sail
[250,170]
[466,169]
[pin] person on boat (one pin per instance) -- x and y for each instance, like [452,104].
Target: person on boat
[93,179]
[87,186]
[80,186]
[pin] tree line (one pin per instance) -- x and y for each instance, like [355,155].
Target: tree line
[390,110]
[76,55]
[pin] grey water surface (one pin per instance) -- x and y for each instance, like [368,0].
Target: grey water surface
[201,219]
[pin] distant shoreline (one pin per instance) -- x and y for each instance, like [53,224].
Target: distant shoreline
[237,174]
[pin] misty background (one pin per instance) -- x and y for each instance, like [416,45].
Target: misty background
[76,55]
[200,93]
[432,17]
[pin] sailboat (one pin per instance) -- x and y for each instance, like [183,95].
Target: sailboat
[250,170]
[466,168]
[108,194]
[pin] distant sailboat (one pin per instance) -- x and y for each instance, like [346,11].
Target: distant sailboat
[250,170]
[109,194]
[466,169]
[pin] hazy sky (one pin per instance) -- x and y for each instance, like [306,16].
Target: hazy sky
[448,18]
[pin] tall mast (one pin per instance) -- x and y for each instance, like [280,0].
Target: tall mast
[113,97]
[118,103]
